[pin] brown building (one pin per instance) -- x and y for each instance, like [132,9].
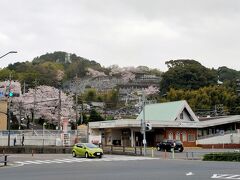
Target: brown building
[3,116]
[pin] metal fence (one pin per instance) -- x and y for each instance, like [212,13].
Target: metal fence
[42,137]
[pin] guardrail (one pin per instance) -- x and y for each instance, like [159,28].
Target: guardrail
[123,150]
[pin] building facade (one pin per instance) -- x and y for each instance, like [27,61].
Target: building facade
[171,120]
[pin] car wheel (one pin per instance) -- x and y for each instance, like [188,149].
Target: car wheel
[74,154]
[86,155]
[180,149]
[100,156]
[158,148]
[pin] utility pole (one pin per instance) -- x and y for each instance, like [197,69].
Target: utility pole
[24,87]
[9,109]
[76,110]
[143,124]
[20,114]
[76,99]
[8,119]
[59,105]
[82,112]
[34,101]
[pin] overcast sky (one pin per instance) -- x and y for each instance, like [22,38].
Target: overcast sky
[123,32]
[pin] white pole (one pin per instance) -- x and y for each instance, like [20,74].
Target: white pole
[144,127]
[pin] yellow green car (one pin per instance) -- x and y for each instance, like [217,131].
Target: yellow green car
[86,150]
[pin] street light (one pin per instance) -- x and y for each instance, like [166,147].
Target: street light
[44,124]
[8,103]
[10,52]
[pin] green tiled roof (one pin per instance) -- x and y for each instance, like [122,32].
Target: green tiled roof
[162,111]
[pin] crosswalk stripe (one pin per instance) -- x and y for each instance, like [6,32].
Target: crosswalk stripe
[46,161]
[31,162]
[233,176]
[63,160]
[75,160]
[225,176]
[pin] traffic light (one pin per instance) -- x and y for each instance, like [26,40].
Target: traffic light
[148,127]
[10,94]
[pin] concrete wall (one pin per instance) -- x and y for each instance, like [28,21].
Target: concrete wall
[233,138]
[35,140]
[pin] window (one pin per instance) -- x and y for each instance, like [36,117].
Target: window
[191,137]
[170,135]
[80,145]
[184,136]
[178,136]
[181,115]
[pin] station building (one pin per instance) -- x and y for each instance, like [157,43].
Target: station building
[170,120]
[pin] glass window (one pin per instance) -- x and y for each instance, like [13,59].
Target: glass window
[191,137]
[170,135]
[184,136]
[89,145]
[164,141]
[178,136]
[80,145]
[181,115]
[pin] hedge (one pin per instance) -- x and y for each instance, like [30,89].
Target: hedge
[223,156]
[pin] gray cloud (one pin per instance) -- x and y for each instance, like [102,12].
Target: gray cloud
[124,32]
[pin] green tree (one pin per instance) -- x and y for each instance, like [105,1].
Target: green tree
[5,74]
[226,74]
[187,74]
[206,97]
[95,116]
[90,95]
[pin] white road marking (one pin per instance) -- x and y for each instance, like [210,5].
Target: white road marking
[225,176]
[77,160]
[31,162]
[189,174]
[42,162]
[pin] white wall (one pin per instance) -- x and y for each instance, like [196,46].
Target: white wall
[185,117]
[225,139]
[35,140]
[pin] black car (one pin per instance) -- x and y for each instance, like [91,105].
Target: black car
[169,144]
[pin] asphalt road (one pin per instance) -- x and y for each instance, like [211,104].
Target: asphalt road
[117,169]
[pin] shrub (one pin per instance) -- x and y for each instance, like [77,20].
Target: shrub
[223,156]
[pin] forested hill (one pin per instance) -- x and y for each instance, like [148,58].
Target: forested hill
[181,74]
[202,87]
[71,63]
[47,68]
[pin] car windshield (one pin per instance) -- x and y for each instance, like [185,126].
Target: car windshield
[89,145]
[178,141]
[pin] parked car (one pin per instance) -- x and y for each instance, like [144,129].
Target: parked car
[169,144]
[86,150]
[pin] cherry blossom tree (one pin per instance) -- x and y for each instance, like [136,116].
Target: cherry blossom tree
[44,103]
[151,90]
[126,73]
[60,74]
[95,73]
